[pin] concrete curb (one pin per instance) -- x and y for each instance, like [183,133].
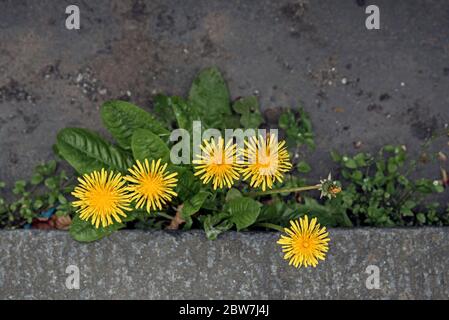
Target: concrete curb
[413,264]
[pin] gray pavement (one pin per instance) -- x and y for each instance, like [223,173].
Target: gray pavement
[412,264]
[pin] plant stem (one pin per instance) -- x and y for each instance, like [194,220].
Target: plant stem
[270,226]
[284,190]
[164,215]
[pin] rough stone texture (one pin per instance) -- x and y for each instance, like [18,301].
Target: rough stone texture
[162,265]
[286,51]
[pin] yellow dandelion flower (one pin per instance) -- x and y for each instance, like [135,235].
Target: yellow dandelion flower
[265,160]
[102,196]
[151,186]
[305,243]
[217,163]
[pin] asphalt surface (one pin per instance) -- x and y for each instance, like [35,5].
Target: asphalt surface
[363,88]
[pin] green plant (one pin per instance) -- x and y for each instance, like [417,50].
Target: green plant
[378,191]
[142,135]
[47,189]
[298,128]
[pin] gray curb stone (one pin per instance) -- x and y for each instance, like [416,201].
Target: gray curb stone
[413,264]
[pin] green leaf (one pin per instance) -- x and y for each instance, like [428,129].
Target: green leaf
[216,224]
[188,185]
[36,179]
[243,211]
[305,121]
[84,231]
[210,96]
[424,186]
[19,187]
[287,120]
[62,199]
[360,159]
[303,167]
[357,175]
[37,204]
[135,214]
[163,109]
[389,148]
[421,218]
[194,204]
[392,167]
[232,122]
[403,181]
[406,212]
[251,120]
[325,215]
[49,168]
[185,112]
[298,128]
[437,187]
[350,163]
[277,212]
[248,108]
[122,119]
[51,183]
[147,145]
[20,184]
[86,151]
[233,194]
[56,151]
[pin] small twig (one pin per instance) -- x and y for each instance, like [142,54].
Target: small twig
[177,220]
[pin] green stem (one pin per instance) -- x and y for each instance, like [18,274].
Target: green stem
[284,190]
[164,215]
[270,226]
